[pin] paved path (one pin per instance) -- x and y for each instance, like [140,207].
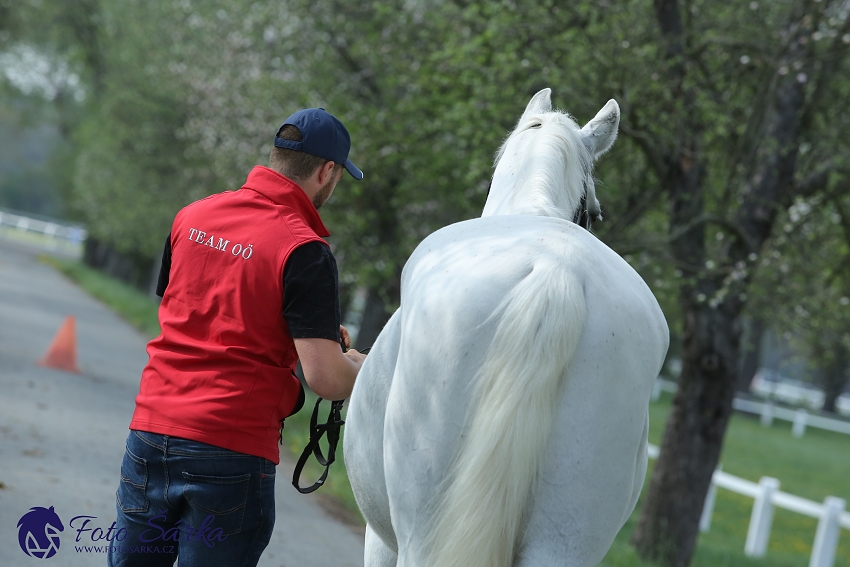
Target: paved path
[62,435]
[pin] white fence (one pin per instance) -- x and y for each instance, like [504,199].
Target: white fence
[771,385]
[831,514]
[53,234]
[800,418]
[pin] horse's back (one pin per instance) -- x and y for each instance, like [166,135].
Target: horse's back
[452,289]
[457,278]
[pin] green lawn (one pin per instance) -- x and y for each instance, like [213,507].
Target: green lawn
[815,466]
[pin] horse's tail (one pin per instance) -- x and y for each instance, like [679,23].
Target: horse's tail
[481,512]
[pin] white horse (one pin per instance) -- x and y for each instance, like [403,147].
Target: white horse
[501,416]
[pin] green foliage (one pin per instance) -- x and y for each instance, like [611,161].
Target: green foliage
[28,155]
[137,308]
[803,283]
[184,97]
[133,171]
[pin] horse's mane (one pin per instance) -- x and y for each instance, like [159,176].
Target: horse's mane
[562,169]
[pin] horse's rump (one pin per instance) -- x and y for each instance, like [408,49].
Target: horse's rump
[492,312]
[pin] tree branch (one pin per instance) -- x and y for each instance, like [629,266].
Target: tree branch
[818,180]
[646,143]
[842,214]
[730,42]
[365,74]
[707,218]
[831,60]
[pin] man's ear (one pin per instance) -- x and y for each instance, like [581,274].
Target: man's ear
[325,172]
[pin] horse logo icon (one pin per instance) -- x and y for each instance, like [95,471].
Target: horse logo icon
[38,532]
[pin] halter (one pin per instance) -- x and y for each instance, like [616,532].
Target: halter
[582,216]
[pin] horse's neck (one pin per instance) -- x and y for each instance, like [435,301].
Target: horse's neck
[532,180]
[533,194]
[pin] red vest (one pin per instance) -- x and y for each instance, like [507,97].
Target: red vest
[222,371]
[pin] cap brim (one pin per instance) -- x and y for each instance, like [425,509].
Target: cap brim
[352,169]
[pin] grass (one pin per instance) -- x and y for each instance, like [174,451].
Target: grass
[814,466]
[136,307]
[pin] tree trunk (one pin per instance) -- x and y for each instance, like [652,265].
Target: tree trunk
[711,301]
[836,377]
[346,296]
[693,435]
[666,532]
[750,353]
[132,269]
[380,301]
[382,297]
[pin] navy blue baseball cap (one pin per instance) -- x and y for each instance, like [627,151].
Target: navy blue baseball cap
[323,135]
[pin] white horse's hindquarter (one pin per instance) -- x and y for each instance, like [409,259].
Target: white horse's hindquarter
[452,287]
[596,461]
[363,443]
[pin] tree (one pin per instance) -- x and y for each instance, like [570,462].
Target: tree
[730,113]
[803,285]
[763,176]
[44,81]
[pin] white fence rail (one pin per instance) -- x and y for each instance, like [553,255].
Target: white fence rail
[771,385]
[48,228]
[831,514]
[768,411]
[799,417]
[52,234]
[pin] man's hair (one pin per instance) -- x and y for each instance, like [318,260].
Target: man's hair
[295,164]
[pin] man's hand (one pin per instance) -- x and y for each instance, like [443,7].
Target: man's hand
[356,357]
[328,371]
[346,338]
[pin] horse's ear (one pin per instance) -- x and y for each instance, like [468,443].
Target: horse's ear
[539,103]
[599,134]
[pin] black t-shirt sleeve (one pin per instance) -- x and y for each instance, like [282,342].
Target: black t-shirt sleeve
[165,269]
[311,293]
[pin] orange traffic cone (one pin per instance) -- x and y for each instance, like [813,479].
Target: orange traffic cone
[62,352]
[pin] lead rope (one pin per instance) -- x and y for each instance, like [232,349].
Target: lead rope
[331,428]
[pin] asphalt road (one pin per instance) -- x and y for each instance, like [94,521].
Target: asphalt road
[62,435]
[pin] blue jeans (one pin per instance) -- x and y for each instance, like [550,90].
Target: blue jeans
[207,505]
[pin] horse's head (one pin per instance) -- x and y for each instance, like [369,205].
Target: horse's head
[545,167]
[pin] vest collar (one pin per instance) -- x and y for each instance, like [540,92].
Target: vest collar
[287,193]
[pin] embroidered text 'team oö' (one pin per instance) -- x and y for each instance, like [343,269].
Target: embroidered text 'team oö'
[205,239]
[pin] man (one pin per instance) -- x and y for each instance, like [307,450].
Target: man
[248,287]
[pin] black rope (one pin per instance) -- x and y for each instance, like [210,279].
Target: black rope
[331,428]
